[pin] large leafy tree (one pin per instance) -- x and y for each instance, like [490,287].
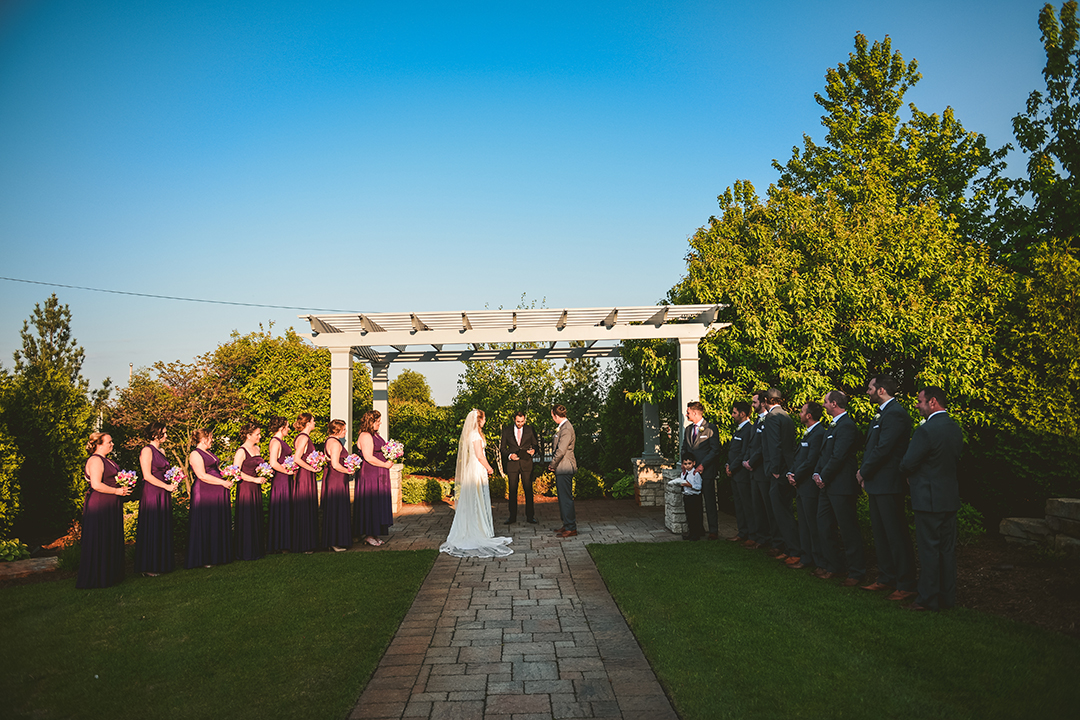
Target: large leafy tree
[10,462]
[869,150]
[49,412]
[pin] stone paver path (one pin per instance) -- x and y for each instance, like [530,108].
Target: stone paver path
[534,635]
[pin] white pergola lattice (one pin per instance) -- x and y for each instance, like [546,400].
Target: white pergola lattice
[383,338]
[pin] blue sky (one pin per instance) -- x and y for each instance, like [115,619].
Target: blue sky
[416,156]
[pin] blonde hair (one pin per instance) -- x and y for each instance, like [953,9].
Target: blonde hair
[94,442]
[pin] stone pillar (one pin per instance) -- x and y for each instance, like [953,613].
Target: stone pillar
[341,388]
[649,480]
[395,485]
[380,396]
[650,426]
[674,510]
[689,389]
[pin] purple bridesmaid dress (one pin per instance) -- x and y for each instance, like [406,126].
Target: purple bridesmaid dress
[210,536]
[280,534]
[337,525]
[249,512]
[373,505]
[154,534]
[102,561]
[305,505]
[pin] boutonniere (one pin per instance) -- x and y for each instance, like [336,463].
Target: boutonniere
[923,421]
[877,416]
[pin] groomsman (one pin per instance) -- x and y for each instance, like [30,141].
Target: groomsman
[764,529]
[700,441]
[879,475]
[835,475]
[518,446]
[740,476]
[564,465]
[778,451]
[930,467]
[806,458]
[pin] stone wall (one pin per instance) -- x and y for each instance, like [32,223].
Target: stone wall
[1058,531]
[649,480]
[674,512]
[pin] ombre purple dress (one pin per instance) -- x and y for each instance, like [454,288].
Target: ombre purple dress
[374,510]
[305,505]
[210,536]
[102,561]
[280,535]
[249,512]
[337,520]
[154,534]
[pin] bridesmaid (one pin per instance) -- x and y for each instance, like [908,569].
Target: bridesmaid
[337,528]
[249,497]
[305,496]
[102,560]
[373,506]
[210,537]
[280,535]
[154,534]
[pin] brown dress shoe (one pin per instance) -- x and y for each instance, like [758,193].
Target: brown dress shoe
[819,572]
[901,595]
[736,538]
[714,536]
[751,544]
[917,607]
[567,533]
[773,552]
[851,582]
[830,576]
[875,586]
[798,566]
[793,561]
[781,556]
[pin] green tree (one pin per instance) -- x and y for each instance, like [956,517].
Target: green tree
[869,151]
[581,390]
[10,462]
[410,386]
[1048,131]
[49,413]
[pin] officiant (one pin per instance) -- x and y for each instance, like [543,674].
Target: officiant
[517,447]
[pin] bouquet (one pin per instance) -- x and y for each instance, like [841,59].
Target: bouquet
[351,462]
[265,471]
[316,460]
[289,463]
[231,472]
[393,450]
[175,476]
[126,478]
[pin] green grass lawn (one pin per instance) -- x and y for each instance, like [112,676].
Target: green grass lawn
[732,634]
[291,636]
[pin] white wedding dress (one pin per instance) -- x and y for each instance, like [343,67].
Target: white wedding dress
[473,532]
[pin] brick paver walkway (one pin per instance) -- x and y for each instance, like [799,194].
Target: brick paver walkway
[534,635]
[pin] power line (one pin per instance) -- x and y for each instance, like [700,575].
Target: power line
[170,297]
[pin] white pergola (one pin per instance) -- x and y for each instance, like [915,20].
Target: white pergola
[384,338]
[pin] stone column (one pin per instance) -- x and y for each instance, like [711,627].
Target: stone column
[689,389]
[650,426]
[341,387]
[380,396]
[395,486]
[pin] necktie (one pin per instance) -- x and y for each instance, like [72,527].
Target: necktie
[517,434]
[693,434]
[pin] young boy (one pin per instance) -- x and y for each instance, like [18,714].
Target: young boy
[691,483]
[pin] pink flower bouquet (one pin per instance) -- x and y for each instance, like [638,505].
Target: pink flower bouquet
[316,460]
[231,472]
[352,462]
[265,471]
[175,476]
[126,478]
[289,463]
[393,450]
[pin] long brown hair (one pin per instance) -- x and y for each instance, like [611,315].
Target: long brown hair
[369,423]
[302,420]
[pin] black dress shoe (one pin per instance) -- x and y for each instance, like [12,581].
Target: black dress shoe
[509,521]
[532,520]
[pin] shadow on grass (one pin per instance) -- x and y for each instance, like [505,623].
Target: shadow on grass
[733,634]
[294,636]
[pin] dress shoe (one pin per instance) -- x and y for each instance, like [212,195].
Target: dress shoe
[736,538]
[714,536]
[531,521]
[751,544]
[917,607]
[792,561]
[798,566]
[781,556]
[773,552]
[509,521]
[851,582]
[691,538]
[875,586]
[562,529]
[901,595]
[830,576]
[567,533]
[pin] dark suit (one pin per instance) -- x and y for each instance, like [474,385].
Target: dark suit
[740,478]
[807,495]
[930,467]
[521,468]
[705,449]
[764,526]
[885,446]
[836,504]
[778,451]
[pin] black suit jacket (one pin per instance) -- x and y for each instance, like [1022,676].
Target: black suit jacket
[738,449]
[508,445]
[778,444]
[836,466]
[806,459]
[753,455]
[930,465]
[886,444]
[705,450]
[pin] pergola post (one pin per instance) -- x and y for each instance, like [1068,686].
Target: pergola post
[650,427]
[380,395]
[689,388]
[341,387]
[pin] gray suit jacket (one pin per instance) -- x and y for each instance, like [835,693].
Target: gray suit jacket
[562,458]
[886,444]
[930,465]
[706,450]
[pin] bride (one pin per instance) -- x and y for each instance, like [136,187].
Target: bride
[473,534]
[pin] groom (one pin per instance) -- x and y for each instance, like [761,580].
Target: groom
[564,465]
[517,447]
